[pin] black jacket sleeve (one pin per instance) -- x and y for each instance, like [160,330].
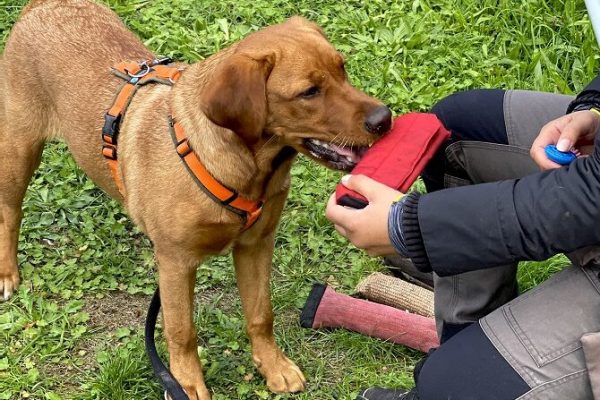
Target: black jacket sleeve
[491,224]
[587,98]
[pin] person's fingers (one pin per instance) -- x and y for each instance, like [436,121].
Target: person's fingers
[538,154]
[574,130]
[548,135]
[337,214]
[546,164]
[341,230]
[332,211]
[363,184]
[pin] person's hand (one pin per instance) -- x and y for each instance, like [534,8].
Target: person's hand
[366,228]
[575,131]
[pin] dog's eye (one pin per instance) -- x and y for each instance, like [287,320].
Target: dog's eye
[310,92]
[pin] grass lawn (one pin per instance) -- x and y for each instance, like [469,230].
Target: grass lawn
[74,329]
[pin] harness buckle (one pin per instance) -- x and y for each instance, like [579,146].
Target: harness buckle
[110,130]
[144,70]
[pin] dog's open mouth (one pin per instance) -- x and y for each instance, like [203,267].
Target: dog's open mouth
[339,157]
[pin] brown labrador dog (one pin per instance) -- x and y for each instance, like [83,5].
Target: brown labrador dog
[247,110]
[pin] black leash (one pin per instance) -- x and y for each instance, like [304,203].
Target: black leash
[168,382]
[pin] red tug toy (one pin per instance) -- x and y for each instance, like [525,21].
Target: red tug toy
[397,159]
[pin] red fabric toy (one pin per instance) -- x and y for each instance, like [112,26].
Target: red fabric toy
[397,159]
[327,309]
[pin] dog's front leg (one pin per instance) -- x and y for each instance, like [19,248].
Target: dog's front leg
[177,277]
[253,270]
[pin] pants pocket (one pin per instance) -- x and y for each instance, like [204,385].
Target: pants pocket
[550,319]
[591,350]
[569,387]
[489,162]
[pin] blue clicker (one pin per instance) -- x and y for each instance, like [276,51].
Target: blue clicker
[560,157]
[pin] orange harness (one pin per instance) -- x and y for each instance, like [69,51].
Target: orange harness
[156,71]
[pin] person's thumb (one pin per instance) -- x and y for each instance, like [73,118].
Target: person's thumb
[361,184]
[571,133]
[564,144]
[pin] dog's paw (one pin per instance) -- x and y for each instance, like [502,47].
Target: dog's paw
[9,282]
[282,375]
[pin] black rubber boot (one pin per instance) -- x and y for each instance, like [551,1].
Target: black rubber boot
[376,393]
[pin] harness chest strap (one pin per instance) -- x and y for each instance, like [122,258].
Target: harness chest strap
[248,209]
[155,71]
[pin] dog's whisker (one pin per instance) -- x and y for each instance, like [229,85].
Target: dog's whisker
[336,137]
[269,140]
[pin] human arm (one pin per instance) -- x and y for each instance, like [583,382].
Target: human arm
[480,226]
[574,131]
[487,225]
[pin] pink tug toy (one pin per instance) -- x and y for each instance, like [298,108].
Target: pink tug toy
[327,309]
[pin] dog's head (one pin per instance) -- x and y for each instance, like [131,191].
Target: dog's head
[287,80]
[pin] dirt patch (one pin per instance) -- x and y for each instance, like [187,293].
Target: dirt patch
[115,310]
[120,310]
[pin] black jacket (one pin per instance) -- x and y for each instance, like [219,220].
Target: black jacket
[474,227]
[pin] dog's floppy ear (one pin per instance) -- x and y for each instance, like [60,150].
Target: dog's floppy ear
[236,96]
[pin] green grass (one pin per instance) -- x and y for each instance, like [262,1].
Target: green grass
[73,330]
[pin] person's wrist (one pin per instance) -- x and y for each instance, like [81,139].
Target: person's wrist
[395,233]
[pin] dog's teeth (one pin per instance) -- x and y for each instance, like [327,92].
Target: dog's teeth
[325,145]
[349,158]
[314,154]
[317,142]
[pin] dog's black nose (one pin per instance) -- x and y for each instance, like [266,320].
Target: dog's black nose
[379,120]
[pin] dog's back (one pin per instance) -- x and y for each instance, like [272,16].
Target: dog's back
[32,4]
[55,80]
[58,44]
[2,93]
[56,48]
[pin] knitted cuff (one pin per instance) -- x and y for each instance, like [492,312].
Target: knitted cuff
[585,100]
[412,233]
[395,227]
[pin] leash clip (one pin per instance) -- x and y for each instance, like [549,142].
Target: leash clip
[162,61]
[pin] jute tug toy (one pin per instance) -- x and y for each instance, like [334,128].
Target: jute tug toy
[395,292]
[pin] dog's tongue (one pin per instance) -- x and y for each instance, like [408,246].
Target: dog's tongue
[346,152]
